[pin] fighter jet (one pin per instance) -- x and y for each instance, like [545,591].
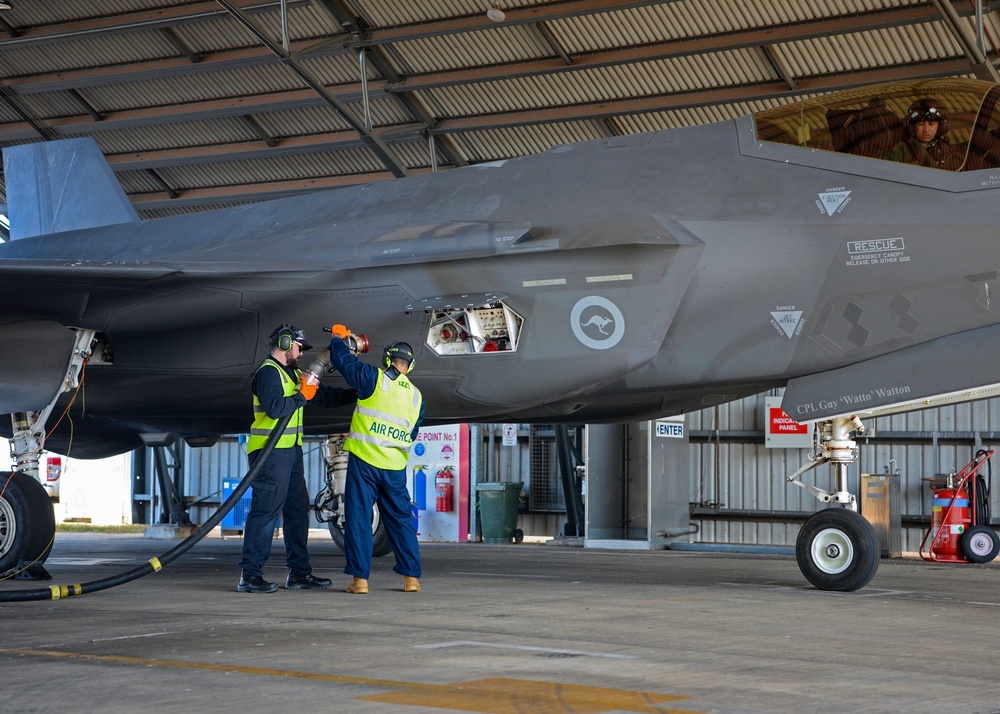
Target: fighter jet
[622,279]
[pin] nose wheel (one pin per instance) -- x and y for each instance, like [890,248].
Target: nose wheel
[837,549]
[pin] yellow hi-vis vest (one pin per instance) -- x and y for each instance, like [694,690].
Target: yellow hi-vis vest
[263,425]
[381,425]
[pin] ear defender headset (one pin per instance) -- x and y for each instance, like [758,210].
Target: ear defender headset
[398,350]
[282,337]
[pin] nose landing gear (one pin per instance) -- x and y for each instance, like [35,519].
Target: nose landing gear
[837,549]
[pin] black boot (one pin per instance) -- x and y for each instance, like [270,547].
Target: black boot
[307,582]
[254,584]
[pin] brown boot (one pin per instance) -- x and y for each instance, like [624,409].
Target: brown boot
[358,586]
[410,585]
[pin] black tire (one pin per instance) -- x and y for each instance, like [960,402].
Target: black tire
[979,544]
[837,549]
[27,522]
[43,519]
[380,539]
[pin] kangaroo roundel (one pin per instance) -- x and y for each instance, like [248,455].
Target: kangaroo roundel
[597,322]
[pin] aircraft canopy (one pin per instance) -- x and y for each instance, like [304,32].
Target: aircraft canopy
[876,121]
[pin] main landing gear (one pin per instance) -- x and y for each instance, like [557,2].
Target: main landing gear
[837,549]
[27,523]
[329,503]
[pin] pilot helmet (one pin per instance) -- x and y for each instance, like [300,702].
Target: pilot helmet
[284,335]
[927,110]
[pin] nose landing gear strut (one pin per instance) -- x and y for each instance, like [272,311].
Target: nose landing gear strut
[837,548]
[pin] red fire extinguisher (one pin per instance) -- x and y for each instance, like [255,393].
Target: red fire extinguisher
[444,487]
[951,516]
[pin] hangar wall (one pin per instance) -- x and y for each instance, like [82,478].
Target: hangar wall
[206,468]
[204,471]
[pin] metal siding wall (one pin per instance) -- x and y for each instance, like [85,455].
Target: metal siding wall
[206,468]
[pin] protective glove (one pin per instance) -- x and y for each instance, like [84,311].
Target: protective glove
[340,331]
[308,390]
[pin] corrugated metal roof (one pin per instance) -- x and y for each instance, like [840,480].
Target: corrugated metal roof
[197,105]
[180,90]
[148,138]
[95,51]
[492,46]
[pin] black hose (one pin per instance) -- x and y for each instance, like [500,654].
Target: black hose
[154,565]
[982,485]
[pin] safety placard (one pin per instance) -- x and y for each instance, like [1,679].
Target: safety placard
[783,432]
[438,479]
[671,427]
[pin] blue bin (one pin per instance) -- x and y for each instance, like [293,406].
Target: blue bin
[237,517]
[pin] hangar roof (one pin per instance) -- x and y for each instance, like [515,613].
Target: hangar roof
[199,104]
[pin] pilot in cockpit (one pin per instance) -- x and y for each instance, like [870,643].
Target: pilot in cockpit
[925,143]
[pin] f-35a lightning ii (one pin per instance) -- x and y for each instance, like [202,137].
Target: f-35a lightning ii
[614,280]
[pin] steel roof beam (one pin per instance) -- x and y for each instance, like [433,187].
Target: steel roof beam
[982,66]
[125,22]
[242,151]
[256,56]
[705,97]
[198,11]
[70,126]
[779,66]
[64,127]
[378,147]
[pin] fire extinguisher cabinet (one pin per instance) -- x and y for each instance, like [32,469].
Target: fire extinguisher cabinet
[498,510]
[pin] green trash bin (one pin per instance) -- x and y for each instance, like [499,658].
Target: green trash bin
[498,510]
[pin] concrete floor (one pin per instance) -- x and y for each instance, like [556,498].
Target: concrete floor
[517,629]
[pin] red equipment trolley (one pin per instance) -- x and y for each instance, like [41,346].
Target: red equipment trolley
[960,530]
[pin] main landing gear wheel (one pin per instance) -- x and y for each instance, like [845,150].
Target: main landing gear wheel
[979,544]
[380,540]
[27,526]
[837,549]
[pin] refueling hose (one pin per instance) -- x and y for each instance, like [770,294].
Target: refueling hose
[154,565]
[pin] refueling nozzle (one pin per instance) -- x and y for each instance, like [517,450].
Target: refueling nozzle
[322,364]
[357,344]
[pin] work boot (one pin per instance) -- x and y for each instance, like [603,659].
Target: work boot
[254,584]
[410,585]
[359,586]
[306,582]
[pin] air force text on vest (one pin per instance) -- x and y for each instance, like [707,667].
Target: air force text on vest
[390,432]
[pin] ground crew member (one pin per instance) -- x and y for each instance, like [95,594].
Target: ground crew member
[384,426]
[279,388]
